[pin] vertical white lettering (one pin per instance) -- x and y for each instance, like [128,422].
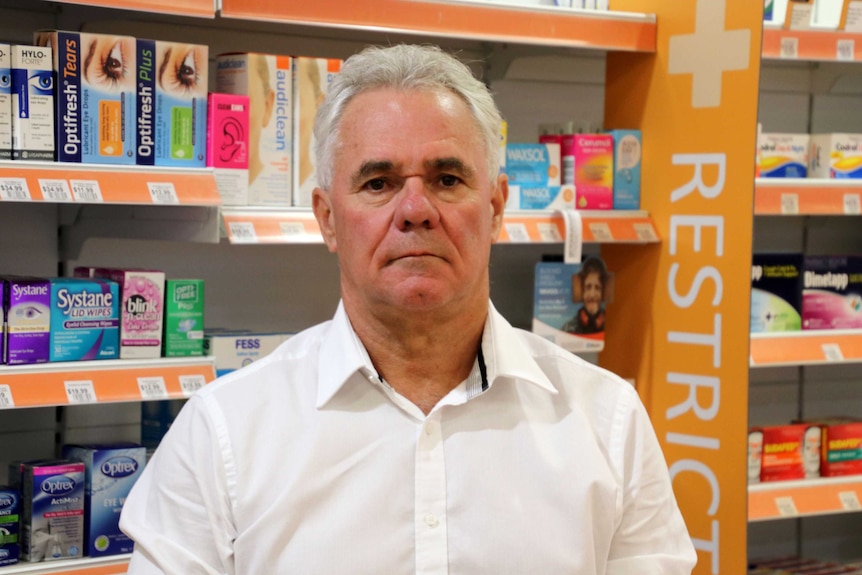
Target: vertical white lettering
[713,339]
[698,222]
[704,273]
[696,183]
[692,466]
[694,382]
[709,545]
[693,441]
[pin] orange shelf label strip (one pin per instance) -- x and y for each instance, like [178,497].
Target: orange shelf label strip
[778,199]
[200,8]
[811,45]
[811,499]
[815,348]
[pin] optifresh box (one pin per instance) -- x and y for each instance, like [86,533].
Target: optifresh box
[181,104]
[184,318]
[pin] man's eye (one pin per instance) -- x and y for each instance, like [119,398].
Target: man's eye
[376,185]
[449,180]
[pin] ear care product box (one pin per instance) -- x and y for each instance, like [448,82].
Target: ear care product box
[784,454]
[227,145]
[27,302]
[799,14]
[32,103]
[776,292]
[5,102]
[142,295]
[233,350]
[111,471]
[184,318]
[784,155]
[832,292]
[534,177]
[311,79]
[52,525]
[835,156]
[594,171]
[181,104]
[842,447]
[10,512]
[851,16]
[627,169]
[85,319]
[95,99]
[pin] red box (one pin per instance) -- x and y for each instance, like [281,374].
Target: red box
[841,447]
[790,452]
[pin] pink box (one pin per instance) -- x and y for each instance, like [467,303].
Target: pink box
[227,131]
[142,298]
[594,171]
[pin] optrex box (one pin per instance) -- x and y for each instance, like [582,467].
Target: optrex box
[85,319]
[32,103]
[835,156]
[594,171]
[784,155]
[234,350]
[141,311]
[10,511]
[832,292]
[52,524]
[5,102]
[27,303]
[181,104]
[95,96]
[841,447]
[776,292]
[790,452]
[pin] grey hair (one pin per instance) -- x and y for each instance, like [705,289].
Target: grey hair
[403,67]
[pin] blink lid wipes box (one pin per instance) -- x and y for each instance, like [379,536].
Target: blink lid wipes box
[832,292]
[776,292]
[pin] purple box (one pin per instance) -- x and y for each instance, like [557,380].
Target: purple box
[27,305]
[832,292]
[2,322]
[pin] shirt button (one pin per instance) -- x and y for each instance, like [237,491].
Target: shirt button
[431,521]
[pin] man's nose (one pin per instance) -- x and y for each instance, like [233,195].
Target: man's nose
[416,206]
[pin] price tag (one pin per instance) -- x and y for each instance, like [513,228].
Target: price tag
[573,245]
[849,501]
[601,232]
[786,506]
[790,48]
[851,204]
[548,232]
[832,352]
[790,204]
[191,383]
[15,189]
[87,191]
[645,232]
[163,192]
[78,392]
[845,50]
[517,233]
[153,387]
[242,232]
[55,190]
[293,230]
[6,401]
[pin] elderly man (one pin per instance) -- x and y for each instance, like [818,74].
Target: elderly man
[417,431]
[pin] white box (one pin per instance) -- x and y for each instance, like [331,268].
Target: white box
[784,155]
[235,349]
[837,156]
[32,103]
[5,102]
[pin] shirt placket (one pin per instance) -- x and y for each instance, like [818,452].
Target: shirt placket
[430,507]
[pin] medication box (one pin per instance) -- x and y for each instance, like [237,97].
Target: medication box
[841,448]
[141,311]
[52,525]
[95,96]
[227,145]
[541,198]
[776,292]
[27,304]
[533,165]
[755,454]
[85,319]
[790,452]
[5,103]
[184,318]
[594,171]
[832,292]
[145,102]
[268,82]
[181,104]
[2,321]
[835,156]
[234,350]
[627,169]
[10,510]
[111,471]
[32,103]
[784,155]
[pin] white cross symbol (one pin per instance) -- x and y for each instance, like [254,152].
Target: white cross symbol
[708,53]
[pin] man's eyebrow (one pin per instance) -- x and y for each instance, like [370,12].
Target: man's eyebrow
[450,164]
[370,168]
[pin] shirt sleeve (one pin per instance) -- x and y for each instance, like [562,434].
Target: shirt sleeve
[179,511]
[651,537]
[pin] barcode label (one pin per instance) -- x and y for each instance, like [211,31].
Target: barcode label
[55,190]
[6,401]
[517,233]
[86,191]
[851,204]
[152,387]
[601,232]
[786,506]
[846,50]
[832,352]
[574,242]
[163,192]
[548,232]
[292,230]
[80,392]
[790,48]
[242,232]
[645,232]
[850,501]
[15,189]
[191,383]
[790,204]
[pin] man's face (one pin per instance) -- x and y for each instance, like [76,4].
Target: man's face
[411,213]
[593,292]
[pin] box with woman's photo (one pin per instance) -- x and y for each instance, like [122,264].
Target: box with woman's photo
[569,303]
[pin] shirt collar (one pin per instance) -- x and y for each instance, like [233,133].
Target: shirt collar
[342,355]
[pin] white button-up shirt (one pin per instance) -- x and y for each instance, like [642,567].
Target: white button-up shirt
[306,462]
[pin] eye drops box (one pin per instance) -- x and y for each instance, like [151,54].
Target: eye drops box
[52,525]
[145,102]
[776,292]
[267,81]
[181,104]
[95,96]
[5,103]
[227,145]
[85,319]
[27,304]
[10,513]
[784,155]
[142,295]
[184,318]
[835,156]
[832,292]
[32,103]
[627,169]
[311,79]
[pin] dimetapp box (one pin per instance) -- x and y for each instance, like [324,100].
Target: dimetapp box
[181,104]
[776,292]
[52,525]
[627,169]
[311,79]
[835,156]
[594,171]
[95,96]
[32,103]
[784,155]
[227,145]
[141,311]
[27,302]
[10,511]
[184,318]
[267,80]
[832,292]
[5,102]
[111,471]
[85,319]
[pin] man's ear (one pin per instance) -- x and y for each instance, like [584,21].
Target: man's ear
[321,205]
[499,196]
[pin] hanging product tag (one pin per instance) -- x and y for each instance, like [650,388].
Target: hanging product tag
[573,242]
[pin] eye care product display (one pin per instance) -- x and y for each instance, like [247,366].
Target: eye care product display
[236,349]
[835,156]
[184,318]
[145,102]
[181,104]
[95,96]
[52,524]
[832,292]
[85,319]
[5,103]
[32,103]
[628,151]
[776,292]
[267,81]
[594,171]
[10,515]
[227,145]
[110,472]
[534,177]
[784,155]
[27,305]
[141,311]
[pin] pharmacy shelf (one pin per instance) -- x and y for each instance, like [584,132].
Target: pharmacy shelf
[822,45]
[807,196]
[113,565]
[297,225]
[55,182]
[812,347]
[805,497]
[108,381]
[483,21]
[199,8]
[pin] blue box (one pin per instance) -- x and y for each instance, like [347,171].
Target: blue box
[85,319]
[628,152]
[776,292]
[145,102]
[10,511]
[111,471]
[181,104]
[52,498]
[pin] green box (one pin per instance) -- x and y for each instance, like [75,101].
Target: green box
[184,318]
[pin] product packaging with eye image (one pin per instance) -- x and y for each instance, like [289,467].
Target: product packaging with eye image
[181,104]
[10,514]
[95,100]
[32,103]
[27,305]
[5,104]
